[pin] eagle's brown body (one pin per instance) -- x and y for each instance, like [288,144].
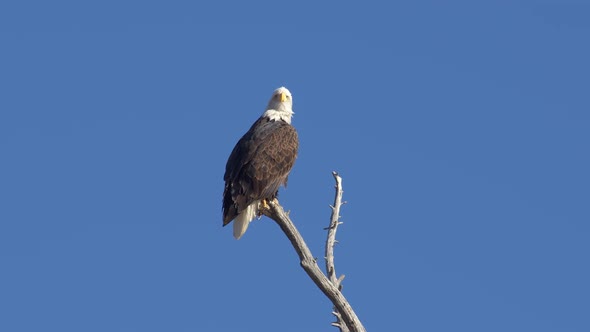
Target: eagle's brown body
[259,163]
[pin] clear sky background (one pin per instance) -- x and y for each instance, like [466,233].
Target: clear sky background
[461,130]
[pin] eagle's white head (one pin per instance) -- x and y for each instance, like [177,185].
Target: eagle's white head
[280,105]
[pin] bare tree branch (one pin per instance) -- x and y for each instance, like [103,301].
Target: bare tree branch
[309,264]
[330,242]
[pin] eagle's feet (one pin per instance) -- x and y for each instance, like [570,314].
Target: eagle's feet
[262,207]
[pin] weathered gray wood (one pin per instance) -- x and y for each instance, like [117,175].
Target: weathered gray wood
[330,242]
[309,264]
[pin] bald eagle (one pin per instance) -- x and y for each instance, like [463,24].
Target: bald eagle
[260,163]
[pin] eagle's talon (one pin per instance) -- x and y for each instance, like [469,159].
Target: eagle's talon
[264,205]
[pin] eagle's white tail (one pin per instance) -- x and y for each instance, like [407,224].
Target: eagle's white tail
[243,219]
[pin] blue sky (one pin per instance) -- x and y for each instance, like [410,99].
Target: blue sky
[461,130]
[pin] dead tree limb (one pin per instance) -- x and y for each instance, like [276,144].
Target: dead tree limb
[309,264]
[330,243]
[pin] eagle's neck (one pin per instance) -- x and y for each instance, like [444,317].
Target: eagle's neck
[284,114]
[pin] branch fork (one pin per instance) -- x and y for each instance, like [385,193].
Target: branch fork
[346,318]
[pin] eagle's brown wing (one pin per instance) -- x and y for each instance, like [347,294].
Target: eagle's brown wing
[259,163]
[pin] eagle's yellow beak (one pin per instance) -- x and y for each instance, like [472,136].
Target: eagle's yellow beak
[283,97]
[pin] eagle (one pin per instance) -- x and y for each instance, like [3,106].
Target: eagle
[260,163]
